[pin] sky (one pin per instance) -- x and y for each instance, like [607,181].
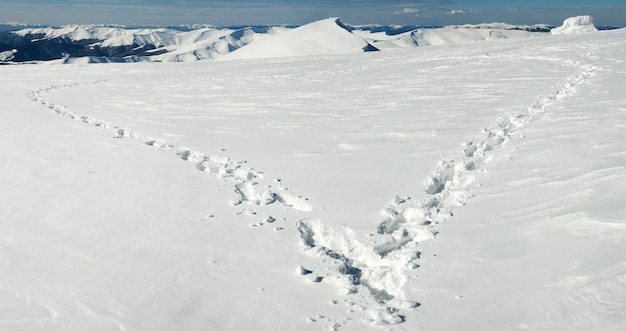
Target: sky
[252,12]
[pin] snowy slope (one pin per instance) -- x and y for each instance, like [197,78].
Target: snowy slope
[325,37]
[455,187]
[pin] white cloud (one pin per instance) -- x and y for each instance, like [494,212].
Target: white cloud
[408,11]
[457,12]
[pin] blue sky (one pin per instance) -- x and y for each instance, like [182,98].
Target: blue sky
[244,12]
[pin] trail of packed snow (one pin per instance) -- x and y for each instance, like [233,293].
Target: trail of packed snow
[412,188]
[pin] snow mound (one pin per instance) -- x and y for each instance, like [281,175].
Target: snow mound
[578,24]
[325,37]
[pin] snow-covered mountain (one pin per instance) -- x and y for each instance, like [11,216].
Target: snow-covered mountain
[326,37]
[102,43]
[120,44]
[14,26]
[7,55]
[504,26]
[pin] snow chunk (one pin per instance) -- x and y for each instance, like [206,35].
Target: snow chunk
[578,24]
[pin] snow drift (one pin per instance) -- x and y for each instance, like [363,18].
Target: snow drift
[573,25]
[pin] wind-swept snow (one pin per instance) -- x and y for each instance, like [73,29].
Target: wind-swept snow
[455,187]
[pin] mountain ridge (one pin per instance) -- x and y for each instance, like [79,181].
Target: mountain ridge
[97,43]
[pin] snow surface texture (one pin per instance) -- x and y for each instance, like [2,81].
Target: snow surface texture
[346,192]
[578,24]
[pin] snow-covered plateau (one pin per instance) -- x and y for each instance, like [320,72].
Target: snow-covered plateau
[469,185]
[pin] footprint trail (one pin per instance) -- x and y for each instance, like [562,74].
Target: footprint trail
[380,264]
[370,272]
[248,184]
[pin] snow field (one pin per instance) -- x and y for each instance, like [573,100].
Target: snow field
[316,186]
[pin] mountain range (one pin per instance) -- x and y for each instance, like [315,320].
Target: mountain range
[20,43]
